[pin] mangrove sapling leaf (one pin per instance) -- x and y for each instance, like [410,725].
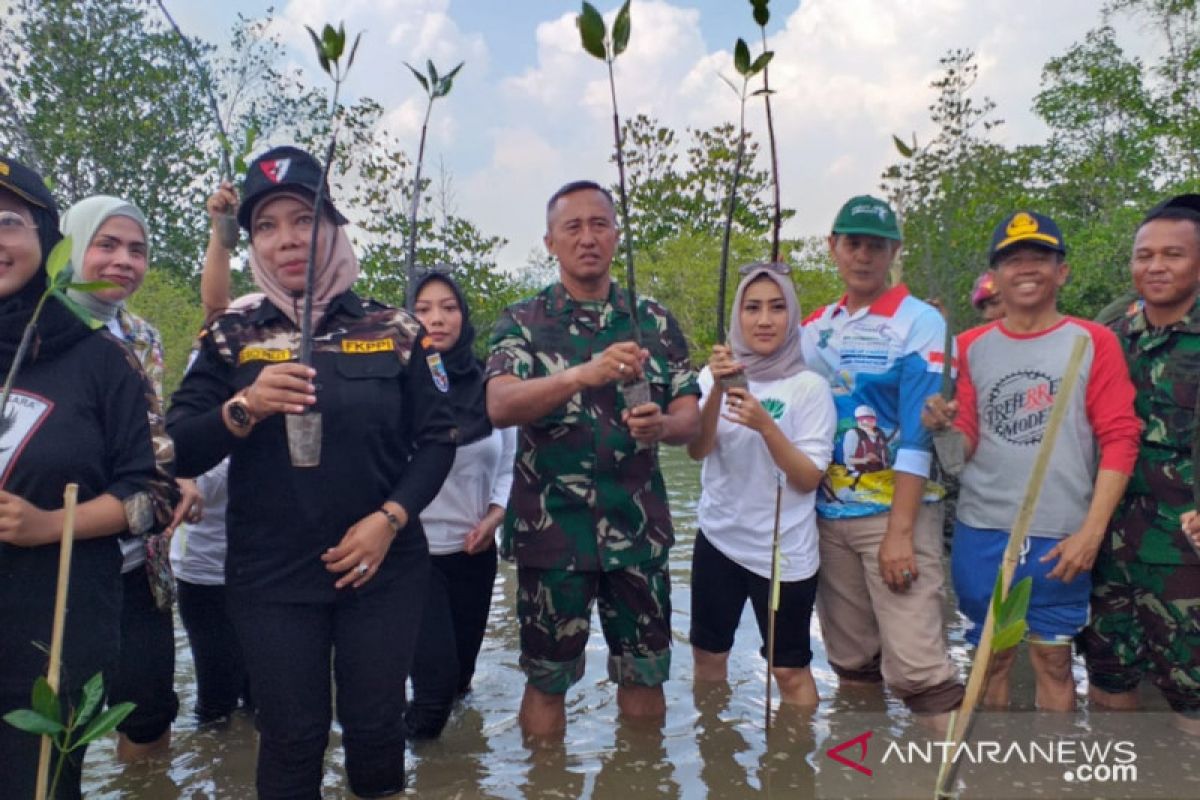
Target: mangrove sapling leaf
[761,14]
[1009,613]
[30,721]
[447,81]
[44,700]
[420,78]
[107,722]
[433,76]
[741,58]
[93,693]
[592,31]
[761,62]
[621,30]
[1008,637]
[902,147]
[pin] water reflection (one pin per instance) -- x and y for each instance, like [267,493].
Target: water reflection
[711,745]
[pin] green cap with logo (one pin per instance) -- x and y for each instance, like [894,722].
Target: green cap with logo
[867,216]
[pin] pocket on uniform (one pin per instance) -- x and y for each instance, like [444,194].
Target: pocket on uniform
[367,385]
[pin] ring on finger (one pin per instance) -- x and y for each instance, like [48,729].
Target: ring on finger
[621,367]
[362,568]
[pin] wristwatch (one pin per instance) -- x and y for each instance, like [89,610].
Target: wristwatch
[239,412]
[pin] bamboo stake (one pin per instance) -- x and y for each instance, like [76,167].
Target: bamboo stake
[773,597]
[56,635]
[961,720]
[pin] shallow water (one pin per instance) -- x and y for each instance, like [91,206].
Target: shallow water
[713,743]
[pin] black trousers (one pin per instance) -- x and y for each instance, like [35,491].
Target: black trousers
[456,615]
[146,671]
[221,682]
[370,633]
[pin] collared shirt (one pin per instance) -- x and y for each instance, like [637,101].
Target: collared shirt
[388,434]
[882,361]
[586,495]
[1164,364]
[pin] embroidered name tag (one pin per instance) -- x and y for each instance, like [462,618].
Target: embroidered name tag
[271,354]
[368,345]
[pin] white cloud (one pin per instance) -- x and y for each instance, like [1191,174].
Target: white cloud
[848,74]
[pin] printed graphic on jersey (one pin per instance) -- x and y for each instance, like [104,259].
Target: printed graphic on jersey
[21,420]
[1018,407]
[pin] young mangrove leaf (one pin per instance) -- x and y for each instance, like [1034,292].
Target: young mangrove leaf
[901,146]
[58,259]
[93,693]
[30,721]
[420,78]
[621,30]
[353,51]
[761,62]
[433,76]
[1008,637]
[107,722]
[45,699]
[761,14]
[446,83]
[592,31]
[741,58]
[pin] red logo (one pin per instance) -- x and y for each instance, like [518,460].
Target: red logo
[861,741]
[276,170]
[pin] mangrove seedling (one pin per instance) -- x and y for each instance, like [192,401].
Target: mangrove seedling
[435,86]
[232,163]
[747,69]
[597,41]
[762,16]
[304,430]
[80,725]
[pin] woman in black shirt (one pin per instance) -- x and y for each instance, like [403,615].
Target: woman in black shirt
[81,411]
[329,559]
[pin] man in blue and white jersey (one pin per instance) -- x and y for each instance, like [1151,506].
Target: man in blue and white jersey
[880,595]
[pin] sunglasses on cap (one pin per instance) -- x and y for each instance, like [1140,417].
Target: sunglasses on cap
[778,267]
[436,269]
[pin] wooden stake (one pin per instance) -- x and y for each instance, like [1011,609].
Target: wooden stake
[773,597]
[960,721]
[60,618]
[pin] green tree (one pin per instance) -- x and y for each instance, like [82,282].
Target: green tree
[672,192]
[105,97]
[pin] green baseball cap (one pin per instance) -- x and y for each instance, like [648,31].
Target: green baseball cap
[867,216]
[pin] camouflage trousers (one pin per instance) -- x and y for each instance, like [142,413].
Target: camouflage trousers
[1145,622]
[555,609]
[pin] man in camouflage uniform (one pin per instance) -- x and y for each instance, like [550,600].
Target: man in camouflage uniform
[1146,582]
[588,515]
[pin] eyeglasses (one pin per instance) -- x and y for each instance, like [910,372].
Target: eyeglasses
[434,269]
[778,267]
[13,225]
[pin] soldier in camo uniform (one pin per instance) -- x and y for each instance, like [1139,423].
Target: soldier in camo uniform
[588,515]
[1146,584]
[327,565]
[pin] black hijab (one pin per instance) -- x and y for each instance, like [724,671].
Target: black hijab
[464,369]
[58,329]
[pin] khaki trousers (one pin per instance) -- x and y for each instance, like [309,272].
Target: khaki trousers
[871,631]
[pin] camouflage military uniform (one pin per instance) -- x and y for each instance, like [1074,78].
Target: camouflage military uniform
[1146,583]
[588,512]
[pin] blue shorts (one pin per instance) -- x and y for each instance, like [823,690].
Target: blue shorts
[1057,610]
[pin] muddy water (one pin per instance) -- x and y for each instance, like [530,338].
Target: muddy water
[713,744]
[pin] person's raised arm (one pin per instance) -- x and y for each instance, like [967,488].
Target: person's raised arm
[216,290]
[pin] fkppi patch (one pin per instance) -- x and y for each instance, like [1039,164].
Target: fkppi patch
[438,370]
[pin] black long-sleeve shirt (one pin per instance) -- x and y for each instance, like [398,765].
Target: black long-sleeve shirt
[388,434]
[86,416]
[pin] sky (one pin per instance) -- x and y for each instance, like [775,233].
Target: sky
[530,110]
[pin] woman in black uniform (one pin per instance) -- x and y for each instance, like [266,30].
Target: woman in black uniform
[81,411]
[327,560]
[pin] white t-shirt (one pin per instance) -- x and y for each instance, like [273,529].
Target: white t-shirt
[482,475]
[198,548]
[738,478]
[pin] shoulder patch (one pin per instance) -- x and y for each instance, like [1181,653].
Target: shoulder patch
[438,371]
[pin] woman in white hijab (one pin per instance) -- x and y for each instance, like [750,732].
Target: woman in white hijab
[777,431]
[109,243]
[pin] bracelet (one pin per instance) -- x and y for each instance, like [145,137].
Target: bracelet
[392,520]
